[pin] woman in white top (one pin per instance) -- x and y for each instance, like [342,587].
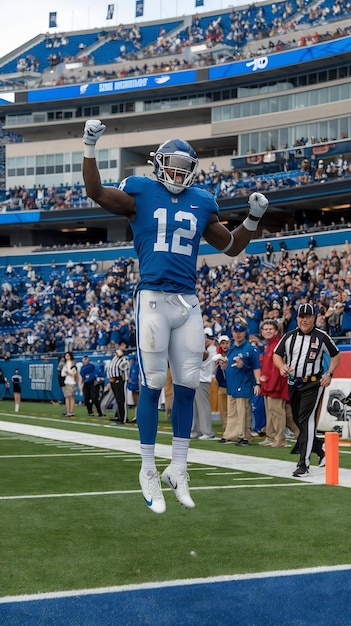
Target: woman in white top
[69,373]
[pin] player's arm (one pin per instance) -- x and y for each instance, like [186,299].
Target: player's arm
[109,198]
[233,242]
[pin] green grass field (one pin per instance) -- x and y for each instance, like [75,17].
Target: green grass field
[73,516]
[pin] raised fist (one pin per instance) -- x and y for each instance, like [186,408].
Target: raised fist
[258,204]
[93,130]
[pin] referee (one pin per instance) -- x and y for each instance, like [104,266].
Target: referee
[117,372]
[299,356]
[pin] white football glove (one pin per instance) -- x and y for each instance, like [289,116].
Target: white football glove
[93,130]
[258,204]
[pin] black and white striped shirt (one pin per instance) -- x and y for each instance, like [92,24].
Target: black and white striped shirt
[304,352]
[118,367]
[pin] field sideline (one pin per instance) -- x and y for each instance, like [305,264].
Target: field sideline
[277,468]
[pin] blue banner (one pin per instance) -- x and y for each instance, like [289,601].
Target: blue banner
[19,217]
[53,20]
[139,8]
[39,379]
[110,11]
[151,81]
[199,3]
[281,59]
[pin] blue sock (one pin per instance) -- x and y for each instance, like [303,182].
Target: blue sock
[147,414]
[182,411]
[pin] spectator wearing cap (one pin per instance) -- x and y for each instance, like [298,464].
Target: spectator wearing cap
[202,419]
[88,387]
[220,358]
[243,373]
[299,356]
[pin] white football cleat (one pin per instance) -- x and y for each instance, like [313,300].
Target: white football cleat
[152,492]
[179,483]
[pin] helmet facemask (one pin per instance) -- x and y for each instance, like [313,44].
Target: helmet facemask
[176,171]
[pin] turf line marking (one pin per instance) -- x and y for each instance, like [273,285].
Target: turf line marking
[130,427]
[198,469]
[174,583]
[138,491]
[214,473]
[55,455]
[255,478]
[244,462]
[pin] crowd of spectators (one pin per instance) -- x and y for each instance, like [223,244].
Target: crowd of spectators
[42,197]
[172,46]
[294,172]
[76,307]
[258,289]
[233,31]
[28,63]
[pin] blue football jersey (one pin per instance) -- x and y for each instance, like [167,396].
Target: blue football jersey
[241,380]
[167,230]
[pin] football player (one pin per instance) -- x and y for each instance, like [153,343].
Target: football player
[168,217]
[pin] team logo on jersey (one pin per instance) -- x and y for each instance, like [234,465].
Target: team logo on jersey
[174,199]
[152,304]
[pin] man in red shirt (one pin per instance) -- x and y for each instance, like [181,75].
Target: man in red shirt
[274,388]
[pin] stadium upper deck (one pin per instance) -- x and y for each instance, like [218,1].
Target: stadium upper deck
[287,100]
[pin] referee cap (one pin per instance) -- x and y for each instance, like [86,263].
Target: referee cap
[305,309]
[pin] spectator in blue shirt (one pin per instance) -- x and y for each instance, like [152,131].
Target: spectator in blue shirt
[89,387]
[243,373]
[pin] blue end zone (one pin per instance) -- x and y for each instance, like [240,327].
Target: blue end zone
[304,599]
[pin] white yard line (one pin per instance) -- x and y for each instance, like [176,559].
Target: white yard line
[175,583]
[245,463]
[123,492]
[106,454]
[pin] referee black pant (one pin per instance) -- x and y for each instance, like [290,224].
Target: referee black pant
[119,391]
[305,402]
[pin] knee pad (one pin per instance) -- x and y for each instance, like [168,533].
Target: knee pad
[156,380]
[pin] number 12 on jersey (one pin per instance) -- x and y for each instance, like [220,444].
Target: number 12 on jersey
[185,232]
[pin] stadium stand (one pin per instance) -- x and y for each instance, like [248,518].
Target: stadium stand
[42,307]
[297,106]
